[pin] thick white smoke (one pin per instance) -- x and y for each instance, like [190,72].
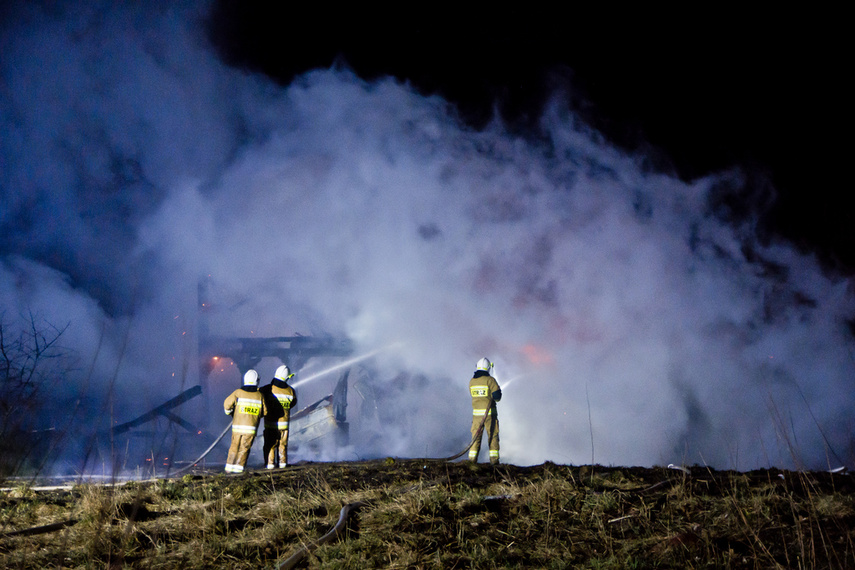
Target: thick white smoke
[628,323]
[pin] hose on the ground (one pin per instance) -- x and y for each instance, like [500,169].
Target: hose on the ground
[338,529]
[40,529]
[476,437]
[334,533]
[206,452]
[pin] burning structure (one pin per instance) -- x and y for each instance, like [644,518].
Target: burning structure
[247,353]
[326,417]
[323,422]
[146,440]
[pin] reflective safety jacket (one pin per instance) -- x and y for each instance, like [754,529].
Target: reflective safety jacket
[247,407]
[279,398]
[482,387]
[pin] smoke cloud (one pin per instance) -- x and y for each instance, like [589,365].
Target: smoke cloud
[631,320]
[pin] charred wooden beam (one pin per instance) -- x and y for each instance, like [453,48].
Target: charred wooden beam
[162,410]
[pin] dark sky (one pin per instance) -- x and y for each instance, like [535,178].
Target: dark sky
[700,91]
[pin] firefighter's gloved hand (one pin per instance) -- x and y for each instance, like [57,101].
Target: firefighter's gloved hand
[497,395]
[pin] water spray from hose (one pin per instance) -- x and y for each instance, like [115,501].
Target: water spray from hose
[341,365]
[505,385]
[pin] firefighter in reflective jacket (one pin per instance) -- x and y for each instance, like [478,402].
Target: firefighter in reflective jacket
[246,406]
[485,393]
[279,398]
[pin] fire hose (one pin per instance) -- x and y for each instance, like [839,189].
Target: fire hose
[295,558]
[334,533]
[337,530]
[40,529]
[477,435]
[339,527]
[207,451]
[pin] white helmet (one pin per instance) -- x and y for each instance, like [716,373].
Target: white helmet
[484,364]
[250,378]
[283,373]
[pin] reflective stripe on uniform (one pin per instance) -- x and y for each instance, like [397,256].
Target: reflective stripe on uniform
[494,453]
[285,400]
[249,406]
[280,425]
[243,429]
[476,412]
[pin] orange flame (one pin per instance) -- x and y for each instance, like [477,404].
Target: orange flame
[537,355]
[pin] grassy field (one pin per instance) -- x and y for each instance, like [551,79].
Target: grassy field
[429,514]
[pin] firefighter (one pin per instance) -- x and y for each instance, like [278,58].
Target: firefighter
[279,398]
[246,406]
[485,393]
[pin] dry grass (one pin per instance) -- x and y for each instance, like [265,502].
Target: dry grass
[434,515]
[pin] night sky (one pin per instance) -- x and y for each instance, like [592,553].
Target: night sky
[700,92]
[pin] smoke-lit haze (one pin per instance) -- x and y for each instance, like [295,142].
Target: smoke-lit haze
[619,305]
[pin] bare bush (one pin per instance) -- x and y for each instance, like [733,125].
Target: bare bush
[30,356]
